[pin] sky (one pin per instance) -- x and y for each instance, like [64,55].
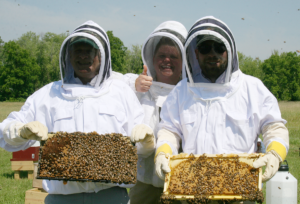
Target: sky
[259,26]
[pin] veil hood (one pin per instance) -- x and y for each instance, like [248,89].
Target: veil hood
[170,29]
[92,31]
[210,25]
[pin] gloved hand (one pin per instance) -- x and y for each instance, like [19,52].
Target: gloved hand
[142,133]
[162,165]
[34,131]
[161,161]
[271,160]
[143,82]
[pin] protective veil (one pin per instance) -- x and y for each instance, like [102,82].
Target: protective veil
[169,33]
[222,117]
[96,36]
[103,105]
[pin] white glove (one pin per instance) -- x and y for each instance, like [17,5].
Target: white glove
[271,160]
[34,131]
[142,133]
[162,165]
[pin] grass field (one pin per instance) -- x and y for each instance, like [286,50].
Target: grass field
[13,191]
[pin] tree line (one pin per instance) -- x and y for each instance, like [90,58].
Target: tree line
[32,61]
[280,73]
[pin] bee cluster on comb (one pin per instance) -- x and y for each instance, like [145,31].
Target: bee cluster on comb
[212,178]
[88,157]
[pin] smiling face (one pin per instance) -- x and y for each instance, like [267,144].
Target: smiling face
[213,63]
[85,61]
[167,64]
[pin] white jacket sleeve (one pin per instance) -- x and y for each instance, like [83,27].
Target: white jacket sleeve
[170,131]
[128,79]
[9,140]
[135,112]
[271,124]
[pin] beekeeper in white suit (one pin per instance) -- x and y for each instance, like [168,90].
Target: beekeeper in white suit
[162,54]
[86,100]
[218,109]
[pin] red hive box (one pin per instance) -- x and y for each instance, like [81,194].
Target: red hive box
[30,154]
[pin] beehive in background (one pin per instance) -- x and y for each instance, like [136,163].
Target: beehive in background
[24,160]
[200,178]
[88,157]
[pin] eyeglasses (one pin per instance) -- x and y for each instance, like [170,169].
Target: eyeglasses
[206,48]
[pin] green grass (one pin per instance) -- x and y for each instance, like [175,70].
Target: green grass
[7,107]
[13,191]
[291,112]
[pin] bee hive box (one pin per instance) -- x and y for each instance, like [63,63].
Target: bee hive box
[35,196]
[88,157]
[201,178]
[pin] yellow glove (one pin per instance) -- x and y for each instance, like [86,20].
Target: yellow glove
[34,131]
[161,161]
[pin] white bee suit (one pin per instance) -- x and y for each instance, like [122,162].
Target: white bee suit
[153,100]
[222,117]
[104,105]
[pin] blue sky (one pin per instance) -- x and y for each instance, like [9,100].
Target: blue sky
[266,25]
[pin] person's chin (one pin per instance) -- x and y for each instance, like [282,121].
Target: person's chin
[83,71]
[213,64]
[168,72]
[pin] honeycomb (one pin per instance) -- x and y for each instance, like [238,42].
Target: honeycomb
[208,177]
[88,157]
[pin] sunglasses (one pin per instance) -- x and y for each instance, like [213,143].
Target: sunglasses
[206,48]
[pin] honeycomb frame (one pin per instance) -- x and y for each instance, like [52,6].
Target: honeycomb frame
[88,157]
[184,159]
